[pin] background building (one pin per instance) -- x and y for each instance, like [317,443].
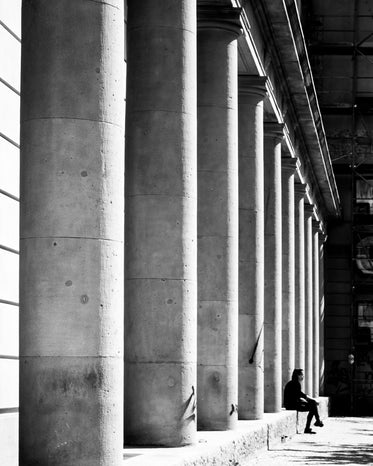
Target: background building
[340,45]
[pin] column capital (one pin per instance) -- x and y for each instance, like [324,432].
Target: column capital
[316,226]
[274,130]
[219,17]
[322,237]
[252,86]
[308,210]
[300,190]
[289,164]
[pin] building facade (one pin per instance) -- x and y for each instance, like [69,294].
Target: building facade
[176,190]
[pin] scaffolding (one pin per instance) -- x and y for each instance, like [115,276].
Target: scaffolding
[362,233]
[348,94]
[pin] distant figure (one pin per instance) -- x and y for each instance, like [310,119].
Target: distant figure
[294,398]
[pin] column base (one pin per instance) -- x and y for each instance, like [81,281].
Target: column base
[160,407]
[71,411]
[217,405]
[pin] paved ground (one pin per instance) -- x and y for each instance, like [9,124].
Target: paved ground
[342,441]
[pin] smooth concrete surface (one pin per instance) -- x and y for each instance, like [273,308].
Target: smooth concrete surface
[9,174]
[161,224]
[273,134]
[316,309]
[9,383]
[217,376]
[308,320]
[9,289]
[9,439]
[11,15]
[288,167]
[9,227]
[9,335]
[11,54]
[251,92]
[72,233]
[300,355]
[9,120]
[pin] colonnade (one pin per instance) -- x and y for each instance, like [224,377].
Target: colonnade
[219,253]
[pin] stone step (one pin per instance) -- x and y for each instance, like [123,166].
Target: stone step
[228,447]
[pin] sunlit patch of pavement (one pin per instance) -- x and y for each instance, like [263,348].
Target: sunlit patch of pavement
[342,441]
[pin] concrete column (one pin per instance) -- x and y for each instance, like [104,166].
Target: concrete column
[288,269]
[251,92]
[300,356]
[322,238]
[316,308]
[218,29]
[161,224]
[273,133]
[308,277]
[72,225]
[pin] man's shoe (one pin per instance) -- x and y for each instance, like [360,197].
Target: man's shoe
[309,431]
[319,424]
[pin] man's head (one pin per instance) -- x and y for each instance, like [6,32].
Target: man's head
[297,375]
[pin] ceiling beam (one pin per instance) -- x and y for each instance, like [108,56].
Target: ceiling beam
[339,48]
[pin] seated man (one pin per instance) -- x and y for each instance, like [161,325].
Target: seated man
[294,398]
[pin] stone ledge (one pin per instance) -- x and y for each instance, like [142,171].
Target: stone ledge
[227,448]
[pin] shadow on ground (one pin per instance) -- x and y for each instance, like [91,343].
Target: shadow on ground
[347,454]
